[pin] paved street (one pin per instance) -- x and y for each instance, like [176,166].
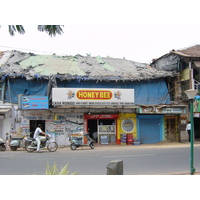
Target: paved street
[169,158]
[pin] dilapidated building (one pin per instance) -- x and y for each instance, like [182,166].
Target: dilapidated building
[186,63]
[75,94]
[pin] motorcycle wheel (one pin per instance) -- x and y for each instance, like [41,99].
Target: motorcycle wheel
[27,147]
[13,148]
[73,146]
[92,146]
[52,146]
[2,147]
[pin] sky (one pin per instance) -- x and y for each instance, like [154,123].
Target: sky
[136,30]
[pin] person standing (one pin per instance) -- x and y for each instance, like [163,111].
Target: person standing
[188,129]
[37,136]
[7,139]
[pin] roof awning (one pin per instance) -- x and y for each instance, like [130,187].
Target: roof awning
[4,110]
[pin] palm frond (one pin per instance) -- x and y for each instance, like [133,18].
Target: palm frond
[16,28]
[20,29]
[52,30]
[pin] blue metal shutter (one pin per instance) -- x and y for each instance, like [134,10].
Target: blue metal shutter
[150,130]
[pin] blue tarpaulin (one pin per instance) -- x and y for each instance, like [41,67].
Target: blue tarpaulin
[146,92]
[26,88]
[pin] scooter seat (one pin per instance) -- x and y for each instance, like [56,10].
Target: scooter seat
[30,138]
[17,138]
[78,138]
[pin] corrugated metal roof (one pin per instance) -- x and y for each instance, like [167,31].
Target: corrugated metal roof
[30,66]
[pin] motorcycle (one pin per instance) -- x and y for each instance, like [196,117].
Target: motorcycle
[46,142]
[18,142]
[76,142]
[2,145]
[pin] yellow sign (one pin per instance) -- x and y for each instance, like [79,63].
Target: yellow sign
[94,94]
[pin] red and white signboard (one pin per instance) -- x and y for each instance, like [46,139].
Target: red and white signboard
[92,97]
[101,116]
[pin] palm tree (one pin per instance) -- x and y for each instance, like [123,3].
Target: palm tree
[52,30]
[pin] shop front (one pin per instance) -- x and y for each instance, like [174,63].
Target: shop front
[100,108]
[101,127]
[160,123]
[34,110]
[127,127]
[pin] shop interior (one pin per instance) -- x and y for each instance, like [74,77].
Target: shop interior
[34,124]
[93,126]
[197,128]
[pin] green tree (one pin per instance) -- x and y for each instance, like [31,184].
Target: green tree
[52,30]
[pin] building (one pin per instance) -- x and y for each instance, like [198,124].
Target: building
[110,97]
[186,63]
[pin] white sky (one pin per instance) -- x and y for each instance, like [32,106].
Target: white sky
[137,30]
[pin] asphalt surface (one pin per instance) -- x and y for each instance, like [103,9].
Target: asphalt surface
[162,157]
[144,159]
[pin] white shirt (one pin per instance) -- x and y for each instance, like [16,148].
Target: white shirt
[188,127]
[37,132]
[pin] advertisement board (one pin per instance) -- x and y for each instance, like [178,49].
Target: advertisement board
[34,102]
[92,97]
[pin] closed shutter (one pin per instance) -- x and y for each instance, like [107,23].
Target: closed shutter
[150,129]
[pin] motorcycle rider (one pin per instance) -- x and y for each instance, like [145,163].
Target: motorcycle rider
[37,136]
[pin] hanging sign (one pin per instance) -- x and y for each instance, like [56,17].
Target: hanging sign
[92,97]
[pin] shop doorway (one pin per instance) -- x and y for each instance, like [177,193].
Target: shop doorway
[171,128]
[197,128]
[103,127]
[93,126]
[34,123]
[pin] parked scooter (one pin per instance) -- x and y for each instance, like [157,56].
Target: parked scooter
[18,142]
[46,142]
[76,142]
[2,145]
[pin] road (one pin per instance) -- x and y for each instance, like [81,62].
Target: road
[137,160]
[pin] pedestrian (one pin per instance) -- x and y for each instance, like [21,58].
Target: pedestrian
[7,139]
[188,129]
[37,136]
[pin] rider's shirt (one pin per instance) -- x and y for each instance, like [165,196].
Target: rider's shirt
[37,132]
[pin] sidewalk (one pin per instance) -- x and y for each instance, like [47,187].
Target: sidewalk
[162,144]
